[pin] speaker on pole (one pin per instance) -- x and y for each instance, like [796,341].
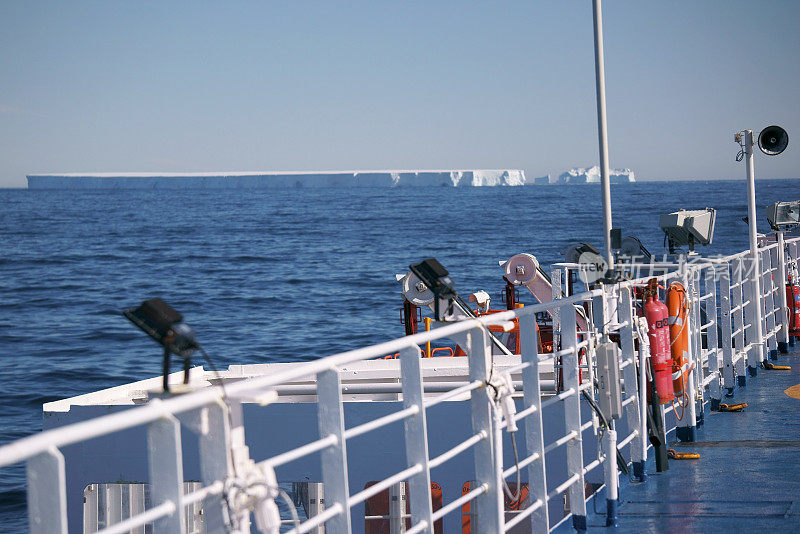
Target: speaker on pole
[773,140]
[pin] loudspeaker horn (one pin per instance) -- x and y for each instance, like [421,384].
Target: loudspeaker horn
[773,140]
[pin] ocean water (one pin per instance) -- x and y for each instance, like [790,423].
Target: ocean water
[273,275]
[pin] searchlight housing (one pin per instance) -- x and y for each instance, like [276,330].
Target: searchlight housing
[783,214]
[688,227]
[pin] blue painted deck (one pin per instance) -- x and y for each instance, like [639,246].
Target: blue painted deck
[747,478]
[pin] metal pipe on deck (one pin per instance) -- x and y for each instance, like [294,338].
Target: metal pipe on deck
[599,67]
[755,284]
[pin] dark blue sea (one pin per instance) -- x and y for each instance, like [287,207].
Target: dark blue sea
[273,275]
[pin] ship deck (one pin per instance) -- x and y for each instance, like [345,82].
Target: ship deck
[746,480]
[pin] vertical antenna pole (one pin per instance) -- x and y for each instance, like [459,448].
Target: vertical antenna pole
[755,296]
[599,67]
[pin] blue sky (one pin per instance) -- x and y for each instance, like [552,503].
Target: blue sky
[207,86]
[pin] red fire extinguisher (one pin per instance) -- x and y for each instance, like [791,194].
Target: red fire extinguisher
[657,316]
[793,301]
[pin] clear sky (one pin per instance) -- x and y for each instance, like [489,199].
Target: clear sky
[238,86]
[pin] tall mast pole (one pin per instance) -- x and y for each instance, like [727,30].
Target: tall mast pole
[599,67]
[755,283]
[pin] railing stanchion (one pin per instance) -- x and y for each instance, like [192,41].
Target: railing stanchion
[712,338]
[330,417]
[534,429]
[769,304]
[47,493]
[489,506]
[215,462]
[783,314]
[416,435]
[726,332]
[633,410]
[609,446]
[742,352]
[572,418]
[165,459]
[686,429]
[753,331]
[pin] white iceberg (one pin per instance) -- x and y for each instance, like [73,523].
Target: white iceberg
[591,175]
[243,180]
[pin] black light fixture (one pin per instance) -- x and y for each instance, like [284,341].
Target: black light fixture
[161,322]
[437,278]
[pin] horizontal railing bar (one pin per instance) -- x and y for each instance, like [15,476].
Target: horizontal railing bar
[624,364]
[593,464]
[617,326]
[628,439]
[198,495]
[518,518]
[564,485]
[386,483]
[555,398]
[466,388]
[706,297]
[526,412]
[561,441]
[707,325]
[587,425]
[148,516]
[467,497]
[419,527]
[381,422]
[522,464]
[317,520]
[299,452]
[629,400]
[710,378]
[517,368]
[458,449]
[157,408]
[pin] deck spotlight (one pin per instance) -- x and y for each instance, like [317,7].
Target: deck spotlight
[161,322]
[688,227]
[438,280]
[782,214]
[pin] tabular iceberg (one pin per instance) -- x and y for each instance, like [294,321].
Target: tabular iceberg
[591,175]
[244,180]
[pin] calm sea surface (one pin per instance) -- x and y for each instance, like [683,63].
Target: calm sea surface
[272,275]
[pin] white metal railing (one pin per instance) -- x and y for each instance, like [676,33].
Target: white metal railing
[721,341]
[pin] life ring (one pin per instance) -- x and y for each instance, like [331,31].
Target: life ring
[678,306]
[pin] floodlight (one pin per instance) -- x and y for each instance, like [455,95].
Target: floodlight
[783,214]
[433,275]
[688,227]
[632,249]
[165,325]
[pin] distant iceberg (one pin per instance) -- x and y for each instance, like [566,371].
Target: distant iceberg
[591,175]
[248,180]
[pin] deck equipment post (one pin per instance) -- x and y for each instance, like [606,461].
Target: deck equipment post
[600,78]
[783,315]
[489,505]
[416,434]
[713,350]
[738,300]
[534,428]
[687,427]
[636,422]
[572,418]
[609,443]
[757,340]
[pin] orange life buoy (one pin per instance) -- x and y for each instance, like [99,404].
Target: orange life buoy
[678,306]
